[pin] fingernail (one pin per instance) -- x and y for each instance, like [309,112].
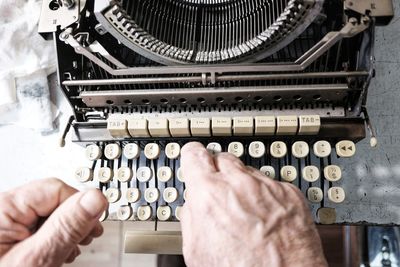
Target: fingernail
[92,203]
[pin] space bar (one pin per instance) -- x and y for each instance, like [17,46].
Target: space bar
[153,242]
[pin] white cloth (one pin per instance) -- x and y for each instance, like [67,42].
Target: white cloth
[24,54]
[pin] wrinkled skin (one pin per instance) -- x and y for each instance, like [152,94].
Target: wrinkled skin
[42,223]
[235,216]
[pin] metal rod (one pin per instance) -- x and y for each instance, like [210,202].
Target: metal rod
[66,130]
[222,78]
[212,91]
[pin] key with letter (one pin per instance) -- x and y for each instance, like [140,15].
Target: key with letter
[288,173]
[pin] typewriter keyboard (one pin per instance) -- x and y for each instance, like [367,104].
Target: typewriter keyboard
[143,181]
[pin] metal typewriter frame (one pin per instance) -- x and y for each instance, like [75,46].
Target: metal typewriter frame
[200,94]
[211,74]
[362,19]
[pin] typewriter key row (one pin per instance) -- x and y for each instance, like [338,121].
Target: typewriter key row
[288,173]
[151,195]
[164,212]
[256,149]
[145,213]
[121,126]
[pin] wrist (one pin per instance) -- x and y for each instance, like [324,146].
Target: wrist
[299,252]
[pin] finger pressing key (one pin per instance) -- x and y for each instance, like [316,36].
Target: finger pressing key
[196,161]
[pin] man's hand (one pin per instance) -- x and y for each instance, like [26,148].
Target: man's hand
[42,223]
[235,216]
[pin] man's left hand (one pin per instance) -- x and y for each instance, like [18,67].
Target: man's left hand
[42,223]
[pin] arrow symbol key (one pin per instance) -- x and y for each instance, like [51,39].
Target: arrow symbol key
[345,149]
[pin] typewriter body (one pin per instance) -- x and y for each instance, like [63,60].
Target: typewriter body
[280,84]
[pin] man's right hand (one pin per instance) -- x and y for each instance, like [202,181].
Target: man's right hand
[236,216]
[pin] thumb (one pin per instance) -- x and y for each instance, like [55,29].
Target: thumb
[68,225]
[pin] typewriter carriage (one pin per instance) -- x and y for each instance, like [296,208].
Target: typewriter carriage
[328,66]
[114,76]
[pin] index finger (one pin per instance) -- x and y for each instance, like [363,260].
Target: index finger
[28,203]
[196,161]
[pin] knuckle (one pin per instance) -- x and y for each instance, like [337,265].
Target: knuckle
[201,154]
[68,230]
[253,182]
[54,182]
[193,157]
[240,179]
[230,160]
[227,156]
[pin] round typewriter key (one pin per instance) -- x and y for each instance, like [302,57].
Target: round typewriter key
[310,174]
[236,149]
[178,211]
[288,173]
[345,149]
[152,151]
[268,171]
[131,151]
[300,149]
[124,174]
[84,174]
[179,175]
[113,195]
[144,213]
[170,194]
[105,175]
[103,216]
[133,195]
[172,150]
[336,194]
[278,149]
[164,174]
[256,149]
[144,174]
[214,148]
[124,213]
[151,195]
[164,213]
[93,152]
[322,149]
[332,173]
[112,151]
[315,194]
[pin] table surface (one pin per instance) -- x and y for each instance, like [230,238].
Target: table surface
[371,178]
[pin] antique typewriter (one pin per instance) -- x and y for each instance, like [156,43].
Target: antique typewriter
[281,84]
